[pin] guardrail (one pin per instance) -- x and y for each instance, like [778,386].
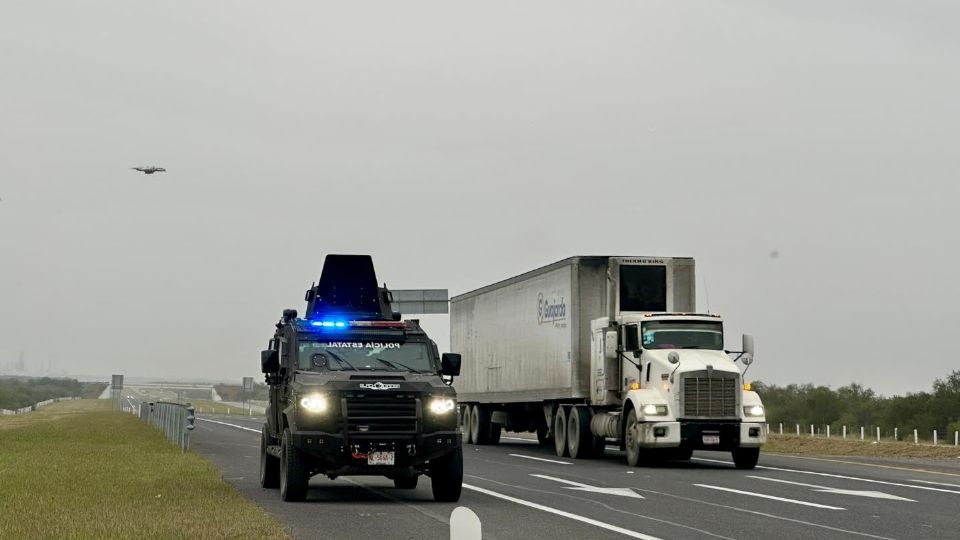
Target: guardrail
[175,420]
[35,406]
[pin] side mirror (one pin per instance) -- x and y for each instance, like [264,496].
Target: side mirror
[610,345]
[748,349]
[631,338]
[269,361]
[450,364]
[673,357]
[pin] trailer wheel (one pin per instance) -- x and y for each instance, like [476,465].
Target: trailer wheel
[480,425]
[293,470]
[446,476]
[560,431]
[465,422]
[543,436]
[580,443]
[746,458]
[269,465]
[631,439]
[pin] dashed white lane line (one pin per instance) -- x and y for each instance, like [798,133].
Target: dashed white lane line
[936,483]
[771,497]
[541,459]
[842,477]
[226,424]
[554,511]
[837,491]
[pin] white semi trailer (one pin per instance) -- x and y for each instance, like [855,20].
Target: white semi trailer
[591,350]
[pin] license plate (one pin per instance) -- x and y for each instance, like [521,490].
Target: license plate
[711,439]
[380,458]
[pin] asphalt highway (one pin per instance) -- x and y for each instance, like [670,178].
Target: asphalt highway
[520,490]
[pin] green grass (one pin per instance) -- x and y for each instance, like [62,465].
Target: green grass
[79,470]
[835,446]
[215,407]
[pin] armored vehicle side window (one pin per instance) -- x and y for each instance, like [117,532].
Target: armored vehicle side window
[643,288]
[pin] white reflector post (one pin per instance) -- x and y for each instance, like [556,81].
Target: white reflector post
[464,524]
[421,301]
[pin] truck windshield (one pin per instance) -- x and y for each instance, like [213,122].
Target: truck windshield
[683,335]
[353,355]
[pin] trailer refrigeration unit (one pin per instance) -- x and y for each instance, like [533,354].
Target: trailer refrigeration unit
[591,350]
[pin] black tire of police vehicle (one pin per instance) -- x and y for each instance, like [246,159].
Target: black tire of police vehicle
[560,431]
[446,476]
[293,470]
[746,458]
[631,440]
[269,465]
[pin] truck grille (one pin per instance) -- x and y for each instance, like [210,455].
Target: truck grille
[378,413]
[709,397]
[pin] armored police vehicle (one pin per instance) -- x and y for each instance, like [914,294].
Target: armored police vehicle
[354,390]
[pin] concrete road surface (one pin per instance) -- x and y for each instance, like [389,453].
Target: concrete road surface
[520,490]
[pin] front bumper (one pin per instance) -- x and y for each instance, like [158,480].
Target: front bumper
[331,450]
[702,435]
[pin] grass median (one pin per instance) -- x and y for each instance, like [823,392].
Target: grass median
[80,470]
[822,446]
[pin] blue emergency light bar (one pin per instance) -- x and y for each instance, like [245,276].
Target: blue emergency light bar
[358,324]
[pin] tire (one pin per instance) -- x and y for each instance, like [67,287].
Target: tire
[580,443]
[446,476]
[746,458]
[560,431]
[269,465]
[465,421]
[543,436]
[631,439]
[406,482]
[293,470]
[480,425]
[495,432]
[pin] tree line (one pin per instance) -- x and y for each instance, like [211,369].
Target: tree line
[855,405]
[17,392]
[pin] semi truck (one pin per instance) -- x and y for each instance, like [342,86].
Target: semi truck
[355,390]
[597,350]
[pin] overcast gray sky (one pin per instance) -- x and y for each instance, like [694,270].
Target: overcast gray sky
[462,143]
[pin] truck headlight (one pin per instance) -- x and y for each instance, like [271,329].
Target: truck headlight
[753,410]
[654,410]
[315,403]
[442,405]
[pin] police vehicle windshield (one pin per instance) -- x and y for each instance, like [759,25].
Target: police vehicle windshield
[350,355]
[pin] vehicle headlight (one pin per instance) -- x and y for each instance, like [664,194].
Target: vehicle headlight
[442,405]
[753,410]
[654,410]
[314,403]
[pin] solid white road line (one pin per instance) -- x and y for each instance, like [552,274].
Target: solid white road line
[226,424]
[837,491]
[541,459]
[762,496]
[936,483]
[550,510]
[623,492]
[843,477]
[518,439]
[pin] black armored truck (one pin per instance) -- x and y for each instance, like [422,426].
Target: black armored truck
[355,390]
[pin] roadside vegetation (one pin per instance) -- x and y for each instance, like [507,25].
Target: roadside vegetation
[216,407]
[17,392]
[855,406]
[231,392]
[77,469]
[834,446]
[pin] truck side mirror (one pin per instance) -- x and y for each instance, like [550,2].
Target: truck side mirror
[631,338]
[748,349]
[610,345]
[450,364]
[269,361]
